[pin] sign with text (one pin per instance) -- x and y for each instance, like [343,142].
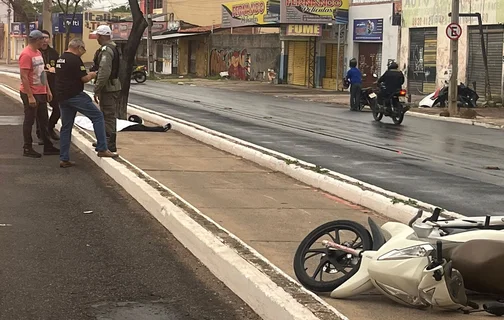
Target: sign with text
[314,11]
[122,30]
[306,30]
[59,20]
[250,12]
[368,30]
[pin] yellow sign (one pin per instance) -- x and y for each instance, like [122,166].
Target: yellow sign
[314,11]
[250,12]
[313,30]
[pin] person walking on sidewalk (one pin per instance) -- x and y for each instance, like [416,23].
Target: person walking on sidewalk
[35,93]
[71,75]
[354,76]
[107,86]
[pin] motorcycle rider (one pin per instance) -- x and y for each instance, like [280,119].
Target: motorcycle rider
[354,77]
[392,79]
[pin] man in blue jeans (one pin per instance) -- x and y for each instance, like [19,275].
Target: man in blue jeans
[70,78]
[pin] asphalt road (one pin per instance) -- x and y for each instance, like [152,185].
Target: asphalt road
[438,162]
[116,263]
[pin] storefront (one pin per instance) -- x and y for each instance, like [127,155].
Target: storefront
[59,30]
[18,37]
[333,56]
[301,43]
[373,40]
[422,69]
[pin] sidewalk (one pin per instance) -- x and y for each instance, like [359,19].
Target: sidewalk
[269,211]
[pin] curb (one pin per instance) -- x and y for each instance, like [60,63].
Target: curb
[387,203]
[270,292]
[457,120]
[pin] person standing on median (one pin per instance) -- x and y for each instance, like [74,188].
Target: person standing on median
[50,56]
[71,75]
[107,85]
[354,76]
[35,93]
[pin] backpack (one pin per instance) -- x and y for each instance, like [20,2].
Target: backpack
[115,62]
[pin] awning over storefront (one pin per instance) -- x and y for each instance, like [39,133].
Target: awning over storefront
[171,36]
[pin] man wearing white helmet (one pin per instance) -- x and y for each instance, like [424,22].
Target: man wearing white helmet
[107,86]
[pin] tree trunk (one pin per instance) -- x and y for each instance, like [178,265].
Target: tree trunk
[126,66]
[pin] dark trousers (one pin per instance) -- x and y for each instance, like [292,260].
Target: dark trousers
[141,127]
[38,112]
[55,116]
[355,92]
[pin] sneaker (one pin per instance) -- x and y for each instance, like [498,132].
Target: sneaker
[107,154]
[53,135]
[66,164]
[51,151]
[166,127]
[31,153]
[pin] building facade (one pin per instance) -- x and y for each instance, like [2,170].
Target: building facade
[425,47]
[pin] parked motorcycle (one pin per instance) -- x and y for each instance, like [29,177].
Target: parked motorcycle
[139,74]
[423,264]
[466,97]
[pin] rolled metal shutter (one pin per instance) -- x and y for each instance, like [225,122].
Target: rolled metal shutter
[493,36]
[298,62]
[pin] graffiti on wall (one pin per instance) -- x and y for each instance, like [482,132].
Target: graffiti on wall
[233,61]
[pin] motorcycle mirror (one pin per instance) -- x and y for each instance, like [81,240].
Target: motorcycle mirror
[495,308]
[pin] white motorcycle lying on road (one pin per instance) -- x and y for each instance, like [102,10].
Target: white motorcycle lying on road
[424,264]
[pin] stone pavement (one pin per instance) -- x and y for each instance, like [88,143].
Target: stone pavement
[268,210]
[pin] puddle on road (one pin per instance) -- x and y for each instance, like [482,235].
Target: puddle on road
[136,311]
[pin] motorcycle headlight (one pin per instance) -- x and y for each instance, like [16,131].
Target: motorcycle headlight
[419,251]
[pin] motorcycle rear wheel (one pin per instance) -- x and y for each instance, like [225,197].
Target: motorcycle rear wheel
[139,77]
[330,260]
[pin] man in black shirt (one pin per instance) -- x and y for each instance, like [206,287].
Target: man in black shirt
[70,78]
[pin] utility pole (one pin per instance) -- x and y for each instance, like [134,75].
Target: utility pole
[150,56]
[46,15]
[9,11]
[453,89]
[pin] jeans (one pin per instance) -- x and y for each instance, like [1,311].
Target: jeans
[38,112]
[80,103]
[355,92]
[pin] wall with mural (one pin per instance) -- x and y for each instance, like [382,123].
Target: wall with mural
[234,53]
[434,13]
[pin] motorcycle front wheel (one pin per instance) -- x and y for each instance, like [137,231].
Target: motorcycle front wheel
[398,119]
[330,262]
[139,77]
[377,115]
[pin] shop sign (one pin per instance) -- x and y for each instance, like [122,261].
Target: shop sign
[314,11]
[368,30]
[59,20]
[306,30]
[249,13]
[18,29]
[122,30]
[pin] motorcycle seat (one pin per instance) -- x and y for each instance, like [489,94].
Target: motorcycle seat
[481,262]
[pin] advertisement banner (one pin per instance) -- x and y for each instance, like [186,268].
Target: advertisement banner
[18,29]
[314,11]
[368,30]
[59,21]
[250,13]
[305,30]
[122,30]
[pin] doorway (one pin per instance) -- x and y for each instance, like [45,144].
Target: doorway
[369,62]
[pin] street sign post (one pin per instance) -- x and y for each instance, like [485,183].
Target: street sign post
[453,31]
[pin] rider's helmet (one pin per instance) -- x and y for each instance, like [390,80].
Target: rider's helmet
[393,66]
[353,63]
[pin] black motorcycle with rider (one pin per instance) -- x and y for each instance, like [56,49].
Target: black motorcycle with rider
[390,94]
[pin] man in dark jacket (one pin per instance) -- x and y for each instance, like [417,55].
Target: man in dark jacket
[392,79]
[50,57]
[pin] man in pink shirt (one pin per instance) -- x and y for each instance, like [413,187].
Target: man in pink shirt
[35,93]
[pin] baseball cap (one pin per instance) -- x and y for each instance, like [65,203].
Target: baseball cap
[36,34]
[103,30]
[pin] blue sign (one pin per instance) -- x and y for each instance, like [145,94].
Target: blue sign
[368,30]
[59,20]
[18,28]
